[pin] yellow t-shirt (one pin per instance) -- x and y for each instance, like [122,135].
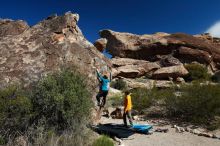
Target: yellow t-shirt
[127,103]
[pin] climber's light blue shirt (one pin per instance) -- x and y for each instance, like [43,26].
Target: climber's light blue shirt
[105,82]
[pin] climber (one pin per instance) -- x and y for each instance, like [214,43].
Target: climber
[104,88]
[127,109]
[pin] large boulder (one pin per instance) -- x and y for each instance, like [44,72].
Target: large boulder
[131,68]
[47,47]
[131,45]
[185,47]
[170,72]
[100,44]
[129,71]
[188,55]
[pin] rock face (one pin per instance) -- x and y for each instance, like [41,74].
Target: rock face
[28,53]
[131,68]
[10,27]
[186,48]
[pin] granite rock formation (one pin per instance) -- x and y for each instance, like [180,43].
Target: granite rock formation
[29,53]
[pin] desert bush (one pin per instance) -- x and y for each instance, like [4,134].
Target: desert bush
[119,84]
[103,141]
[116,100]
[15,111]
[58,105]
[196,102]
[143,98]
[62,100]
[197,72]
[61,110]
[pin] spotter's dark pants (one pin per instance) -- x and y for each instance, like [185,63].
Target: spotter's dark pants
[125,115]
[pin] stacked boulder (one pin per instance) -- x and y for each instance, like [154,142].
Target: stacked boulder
[160,56]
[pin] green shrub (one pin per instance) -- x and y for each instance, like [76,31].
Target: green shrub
[103,141]
[63,100]
[197,72]
[15,110]
[143,98]
[116,100]
[56,108]
[197,103]
[119,84]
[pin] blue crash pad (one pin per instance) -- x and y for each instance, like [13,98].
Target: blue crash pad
[142,128]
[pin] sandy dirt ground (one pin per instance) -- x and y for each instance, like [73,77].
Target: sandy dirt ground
[171,138]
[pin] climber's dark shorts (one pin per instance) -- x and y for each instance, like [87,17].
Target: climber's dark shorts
[102,94]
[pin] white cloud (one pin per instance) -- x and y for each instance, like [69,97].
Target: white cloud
[214,30]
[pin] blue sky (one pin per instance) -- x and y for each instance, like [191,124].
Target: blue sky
[135,16]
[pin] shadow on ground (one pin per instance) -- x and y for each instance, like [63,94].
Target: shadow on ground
[112,130]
